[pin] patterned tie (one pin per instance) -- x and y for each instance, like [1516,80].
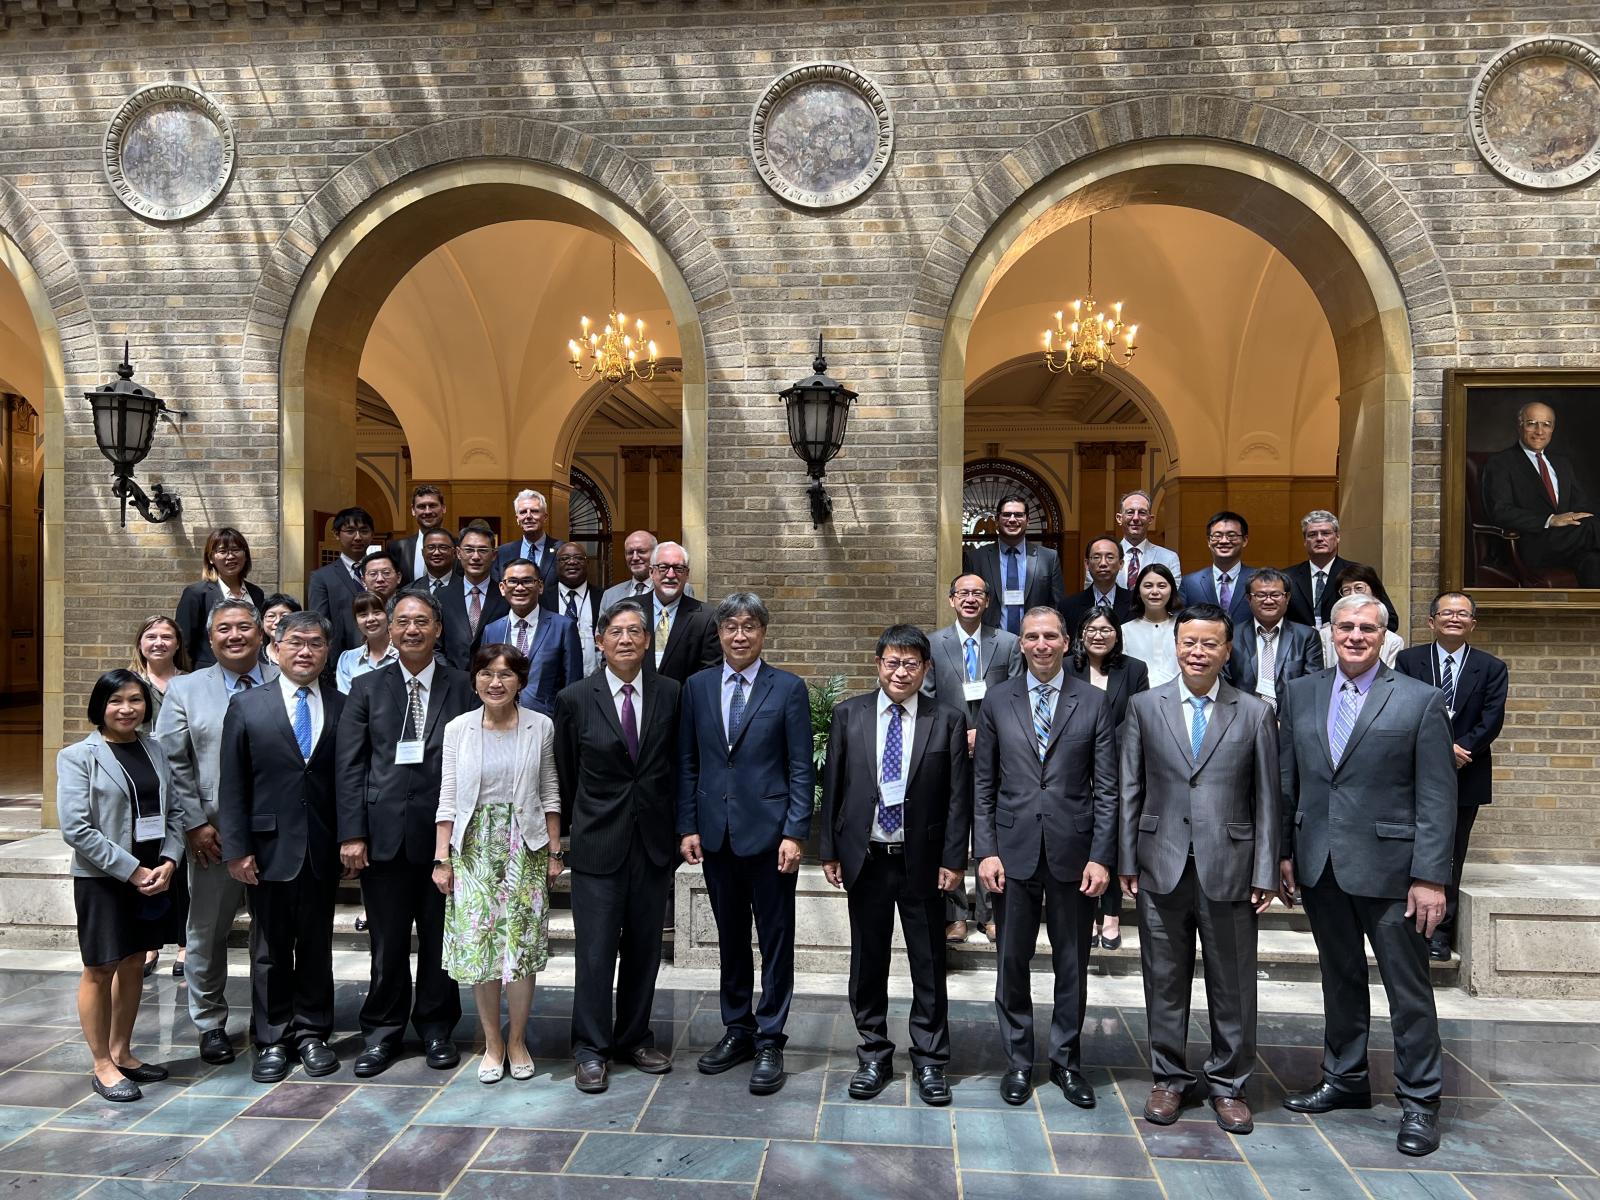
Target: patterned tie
[1197,730]
[736,710]
[972,659]
[355,573]
[1448,685]
[1041,718]
[1013,612]
[1549,484]
[630,722]
[1317,583]
[664,631]
[246,683]
[1267,675]
[1225,592]
[414,714]
[302,721]
[1344,721]
[572,605]
[522,635]
[1133,566]
[640,587]
[436,584]
[889,818]
[475,607]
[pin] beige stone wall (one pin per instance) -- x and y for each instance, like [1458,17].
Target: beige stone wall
[653,101]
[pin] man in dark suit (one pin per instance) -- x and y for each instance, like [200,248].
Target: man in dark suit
[896,817]
[1045,829]
[617,758]
[536,544]
[279,827]
[334,585]
[390,748]
[1020,574]
[683,631]
[438,562]
[1539,495]
[1103,559]
[745,787]
[1223,581]
[474,600]
[1199,850]
[549,639]
[1312,581]
[1369,806]
[1268,651]
[427,509]
[1474,685]
[571,596]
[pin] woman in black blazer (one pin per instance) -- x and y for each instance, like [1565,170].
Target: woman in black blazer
[1097,658]
[225,572]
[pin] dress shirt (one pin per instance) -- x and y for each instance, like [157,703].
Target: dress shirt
[580,602]
[1533,461]
[656,609]
[1363,684]
[419,565]
[424,677]
[1149,553]
[534,551]
[1104,599]
[1261,654]
[615,685]
[352,568]
[1458,658]
[1022,566]
[232,678]
[1216,580]
[429,580]
[356,662]
[483,587]
[1184,695]
[313,702]
[908,723]
[532,618]
[728,674]
[1327,582]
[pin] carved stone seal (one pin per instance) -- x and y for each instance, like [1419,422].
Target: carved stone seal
[169,151]
[821,134]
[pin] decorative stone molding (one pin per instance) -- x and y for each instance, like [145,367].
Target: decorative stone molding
[1535,115]
[821,135]
[169,151]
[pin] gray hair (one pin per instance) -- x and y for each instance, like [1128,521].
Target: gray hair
[1123,499]
[229,605]
[741,604]
[306,618]
[621,608]
[1318,516]
[1354,601]
[416,593]
[655,552]
[530,494]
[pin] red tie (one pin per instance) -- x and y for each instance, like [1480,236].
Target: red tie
[1549,484]
[1133,566]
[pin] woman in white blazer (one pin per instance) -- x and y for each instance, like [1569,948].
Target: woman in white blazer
[499,845]
[113,799]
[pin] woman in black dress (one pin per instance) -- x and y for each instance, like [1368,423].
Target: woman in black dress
[224,575]
[113,799]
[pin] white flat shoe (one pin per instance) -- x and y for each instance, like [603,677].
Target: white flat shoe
[490,1072]
[522,1070]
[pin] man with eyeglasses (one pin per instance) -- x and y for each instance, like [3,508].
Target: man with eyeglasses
[1368,830]
[1020,574]
[1473,683]
[1311,582]
[683,633]
[1138,551]
[1270,650]
[572,597]
[1541,497]
[1223,582]
[636,550]
[549,639]
[334,585]
[896,817]
[473,600]
[1102,558]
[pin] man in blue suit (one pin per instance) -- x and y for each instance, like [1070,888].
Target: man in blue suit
[1225,582]
[744,809]
[549,639]
[536,544]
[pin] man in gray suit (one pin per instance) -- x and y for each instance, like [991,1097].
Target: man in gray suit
[1199,832]
[636,551]
[1369,812]
[1269,650]
[969,657]
[190,731]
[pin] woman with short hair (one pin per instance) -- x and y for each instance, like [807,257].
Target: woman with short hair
[372,619]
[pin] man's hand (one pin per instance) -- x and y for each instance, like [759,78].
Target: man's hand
[204,845]
[244,869]
[1261,899]
[1095,880]
[1426,901]
[832,873]
[789,853]
[972,741]
[992,875]
[1286,879]
[1568,518]
[1463,756]
[1130,886]
[949,880]
[353,856]
[689,847]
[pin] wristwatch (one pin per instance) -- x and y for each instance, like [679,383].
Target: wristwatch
[559,855]
[441,862]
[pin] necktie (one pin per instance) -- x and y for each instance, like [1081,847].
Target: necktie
[664,631]
[572,605]
[1448,684]
[413,721]
[893,741]
[522,635]
[1549,484]
[640,587]
[475,607]
[630,722]
[1225,591]
[736,709]
[1267,674]
[1344,721]
[436,583]
[972,659]
[355,573]
[302,721]
[1041,718]
[1197,730]
[1133,566]
[246,683]
[1013,612]
[1317,583]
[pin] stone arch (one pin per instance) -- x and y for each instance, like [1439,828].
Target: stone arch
[428,186]
[1341,222]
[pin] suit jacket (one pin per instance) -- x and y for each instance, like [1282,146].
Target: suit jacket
[392,806]
[533,789]
[588,619]
[331,591]
[405,549]
[999,659]
[937,816]
[693,644]
[271,802]
[1299,653]
[607,794]
[511,550]
[749,796]
[189,729]
[555,657]
[1300,591]
[1480,693]
[1200,587]
[1069,800]
[1075,608]
[624,591]
[1122,683]
[1514,495]
[1043,584]
[194,608]
[1386,815]
[1223,804]
[459,641]
[95,810]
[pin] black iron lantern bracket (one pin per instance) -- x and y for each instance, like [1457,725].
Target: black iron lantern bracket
[125,417]
[818,410]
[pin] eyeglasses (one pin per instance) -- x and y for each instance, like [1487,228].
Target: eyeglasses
[1099,633]
[1538,424]
[475,551]
[671,568]
[489,676]
[304,644]
[895,665]
[970,593]
[1272,595]
[520,585]
[1011,516]
[749,628]
[1348,627]
[412,622]
[1456,614]
[617,632]
[1225,537]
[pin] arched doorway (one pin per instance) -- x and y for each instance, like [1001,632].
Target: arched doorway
[991,480]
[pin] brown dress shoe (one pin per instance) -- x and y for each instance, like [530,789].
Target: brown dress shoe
[1163,1105]
[956,932]
[1233,1114]
[989,932]
[651,1061]
[592,1077]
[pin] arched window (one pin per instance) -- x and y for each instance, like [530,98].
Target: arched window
[589,523]
[986,481]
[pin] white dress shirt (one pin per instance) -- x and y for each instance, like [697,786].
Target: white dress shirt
[908,723]
[532,621]
[580,603]
[1149,553]
[728,676]
[615,685]
[313,701]
[1188,709]
[419,565]
[1327,580]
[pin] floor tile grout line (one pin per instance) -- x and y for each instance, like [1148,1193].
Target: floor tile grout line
[1540,1127]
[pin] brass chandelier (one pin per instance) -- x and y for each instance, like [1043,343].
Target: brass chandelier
[613,353]
[1089,341]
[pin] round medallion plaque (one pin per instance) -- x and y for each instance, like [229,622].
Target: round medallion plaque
[1536,113]
[169,151]
[821,134]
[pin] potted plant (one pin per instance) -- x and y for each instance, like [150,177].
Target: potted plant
[824,697]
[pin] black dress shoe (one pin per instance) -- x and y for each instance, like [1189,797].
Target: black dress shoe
[177,968]
[733,1049]
[271,1065]
[375,1060]
[317,1057]
[932,1086]
[870,1079]
[144,1073]
[215,1048]
[1419,1134]
[1325,1098]
[118,1093]
[767,1075]
[442,1054]
[1073,1086]
[1439,949]
[1016,1086]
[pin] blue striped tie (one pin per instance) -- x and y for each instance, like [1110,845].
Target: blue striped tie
[1344,721]
[1197,730]
[972,659]
[1041,718]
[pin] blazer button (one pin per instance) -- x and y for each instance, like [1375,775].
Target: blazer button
[1038,816]
[1186,820]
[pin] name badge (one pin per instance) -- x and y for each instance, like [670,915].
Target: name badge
[148,829]
[975,690]
[893,794]
[1011,597]
[407,754]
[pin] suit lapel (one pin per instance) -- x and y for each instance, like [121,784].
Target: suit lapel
[108,761]
[600,691]
[1174,720]
[919,740]
[540,633]
[435,702]
[1222,714]
[279,719]
[1470,678]
[1324,694]
[758,695]
[331,708]
[1377,696]
[1066,704]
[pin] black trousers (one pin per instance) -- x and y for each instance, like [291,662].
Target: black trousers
[291,958]
[616,921]
[1576,546]
[1338,923]
[400,895]
[1069,917]
[741,887]
[879,890]
[1466,814]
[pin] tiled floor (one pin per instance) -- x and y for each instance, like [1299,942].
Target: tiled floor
[1519,1119]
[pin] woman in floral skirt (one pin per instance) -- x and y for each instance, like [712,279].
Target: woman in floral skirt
[499,839]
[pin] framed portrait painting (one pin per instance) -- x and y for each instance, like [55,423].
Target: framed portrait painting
[1521,507]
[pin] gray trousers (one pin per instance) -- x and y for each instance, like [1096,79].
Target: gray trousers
[215,899]
[1227,928]
[964,904]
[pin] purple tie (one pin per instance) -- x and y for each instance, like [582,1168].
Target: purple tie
[1226,597]
[630,723]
